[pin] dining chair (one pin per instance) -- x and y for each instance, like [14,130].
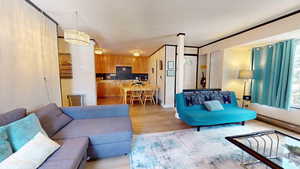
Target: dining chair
[148,95]
[126,93]
[76,100]
[136,95]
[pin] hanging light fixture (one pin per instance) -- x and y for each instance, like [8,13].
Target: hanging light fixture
[73,36]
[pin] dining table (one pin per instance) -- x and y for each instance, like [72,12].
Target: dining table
[140,87]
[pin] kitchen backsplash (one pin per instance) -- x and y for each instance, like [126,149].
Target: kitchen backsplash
[114,76]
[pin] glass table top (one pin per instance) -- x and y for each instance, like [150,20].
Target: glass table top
[273,148]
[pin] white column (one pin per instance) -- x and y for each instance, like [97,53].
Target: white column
[180,63]
[84,76]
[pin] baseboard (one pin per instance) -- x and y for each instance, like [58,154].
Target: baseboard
[279,123]
[167,106]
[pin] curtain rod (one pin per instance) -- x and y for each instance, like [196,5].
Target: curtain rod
[41,11]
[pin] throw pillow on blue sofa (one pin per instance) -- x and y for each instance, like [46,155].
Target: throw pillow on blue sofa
[5,147]
[213,105]
[22,131]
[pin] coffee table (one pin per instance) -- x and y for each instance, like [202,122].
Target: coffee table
[272,148]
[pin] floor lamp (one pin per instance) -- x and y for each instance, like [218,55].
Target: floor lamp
[245,75]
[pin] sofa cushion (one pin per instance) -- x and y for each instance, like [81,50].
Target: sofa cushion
[199,97]
[69,156]
[99,131]
[230,114]
[22,131]
[5,147]
[32,154]
[12,116]
[213,105]
[52,118]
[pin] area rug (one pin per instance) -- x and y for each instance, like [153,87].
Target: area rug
[189,149]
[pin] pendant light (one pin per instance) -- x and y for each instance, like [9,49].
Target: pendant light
[74,36]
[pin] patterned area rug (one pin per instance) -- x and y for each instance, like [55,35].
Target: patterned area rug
[189,149]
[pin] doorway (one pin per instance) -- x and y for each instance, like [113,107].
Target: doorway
[190,72]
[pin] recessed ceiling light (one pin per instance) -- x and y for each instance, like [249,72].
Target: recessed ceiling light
[136,52]
[99,51]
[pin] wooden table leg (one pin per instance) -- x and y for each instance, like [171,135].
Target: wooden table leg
[125,96]
[156,96]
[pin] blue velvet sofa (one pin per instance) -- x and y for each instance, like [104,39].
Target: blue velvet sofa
[191,110]
[93,132]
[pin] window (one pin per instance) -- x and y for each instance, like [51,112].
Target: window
[295,100]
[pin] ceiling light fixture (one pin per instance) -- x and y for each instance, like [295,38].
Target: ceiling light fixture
[136,52]
[73,36]
[99,51]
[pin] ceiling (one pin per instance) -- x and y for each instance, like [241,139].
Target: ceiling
[123,25]
[270,40]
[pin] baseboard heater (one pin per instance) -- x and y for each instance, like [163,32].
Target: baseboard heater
[285,125]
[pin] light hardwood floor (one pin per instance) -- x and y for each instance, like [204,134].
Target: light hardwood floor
[149,119]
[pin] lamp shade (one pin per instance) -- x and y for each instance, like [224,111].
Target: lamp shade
[76,37]
[203,67]
[245,74]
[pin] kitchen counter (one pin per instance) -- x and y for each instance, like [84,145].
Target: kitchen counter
[111,88]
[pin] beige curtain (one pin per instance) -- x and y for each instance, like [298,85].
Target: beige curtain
[216,71]
[28,57]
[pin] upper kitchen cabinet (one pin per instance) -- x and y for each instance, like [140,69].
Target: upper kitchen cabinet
[108,63]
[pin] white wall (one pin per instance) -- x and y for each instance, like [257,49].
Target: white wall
[190,50]
[84,75]
[28,58]
[290,116]
[170,81]
[236,59]
[215,73]
[83,69]
[165,83]
[158,77]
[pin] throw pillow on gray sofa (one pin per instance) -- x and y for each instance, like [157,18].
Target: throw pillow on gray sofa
[12,116]
[52,118]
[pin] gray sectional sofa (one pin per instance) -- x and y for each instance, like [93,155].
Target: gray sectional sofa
[93,132]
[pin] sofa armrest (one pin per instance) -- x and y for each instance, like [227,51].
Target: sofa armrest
[92,112]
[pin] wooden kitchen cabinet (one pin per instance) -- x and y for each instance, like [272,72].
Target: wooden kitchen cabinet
[110,88]
[108,63]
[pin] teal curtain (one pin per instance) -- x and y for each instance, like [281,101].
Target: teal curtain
[273,65]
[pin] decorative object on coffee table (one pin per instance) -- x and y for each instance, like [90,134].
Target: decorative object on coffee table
[293,149]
